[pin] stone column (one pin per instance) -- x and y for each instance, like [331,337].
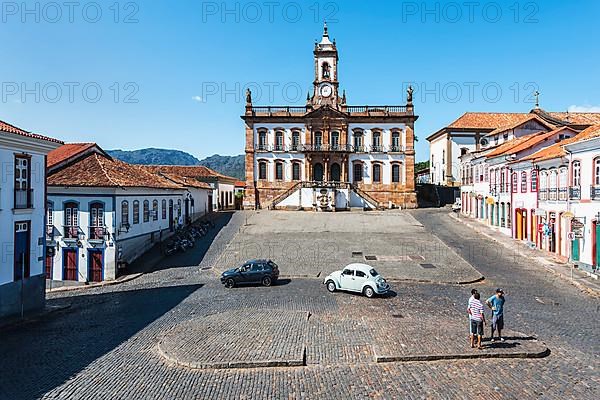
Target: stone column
[325,169]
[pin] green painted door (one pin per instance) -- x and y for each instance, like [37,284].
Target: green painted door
[575,250]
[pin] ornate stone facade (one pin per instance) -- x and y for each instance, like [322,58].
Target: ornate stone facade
[363,152]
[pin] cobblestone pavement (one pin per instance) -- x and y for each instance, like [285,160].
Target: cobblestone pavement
[306,245]
[105,345]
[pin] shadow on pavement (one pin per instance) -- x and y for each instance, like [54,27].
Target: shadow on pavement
[155,260]
[41,356]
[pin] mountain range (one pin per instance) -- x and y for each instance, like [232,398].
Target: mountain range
[227,165]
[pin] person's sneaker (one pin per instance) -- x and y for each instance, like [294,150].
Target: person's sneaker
[502,339]
[493,340]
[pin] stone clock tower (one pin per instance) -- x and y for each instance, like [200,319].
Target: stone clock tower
[326,85]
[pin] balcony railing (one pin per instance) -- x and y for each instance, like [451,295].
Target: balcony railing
[575,193]
[98,233]
[350,110]
[347,148]
[72,232]
[562,194]
[23,199]
[595,192]
[543,195]
[553,194]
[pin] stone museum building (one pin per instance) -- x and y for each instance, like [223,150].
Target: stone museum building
[328,155]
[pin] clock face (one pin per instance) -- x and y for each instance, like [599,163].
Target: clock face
[326,90]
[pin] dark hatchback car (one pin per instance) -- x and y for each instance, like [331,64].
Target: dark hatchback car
[264,272]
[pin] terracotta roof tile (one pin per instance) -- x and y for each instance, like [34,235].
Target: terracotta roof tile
[189,171]
[184,181]
[515,124]
[578,118]
[484,120]
[550,152]
[6,127]
[67,151]
[589,133]
[240,184]
[96,170]
[526,142]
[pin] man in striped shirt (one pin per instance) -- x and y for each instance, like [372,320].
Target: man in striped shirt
[477,320]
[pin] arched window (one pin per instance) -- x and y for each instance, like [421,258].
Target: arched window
[296,171]
[396,173]
[279,170]
[534,180]
[295,141]
[395,142]
[357,138]
[262,170]
[543,180]
[376,141]
[71,211]
[597,171]
[376,173]
[136,212]
[97,214]
[164,209]
[262,140]
[326,72]
[335,140]
[124,212]
[318,140]
[523,182]
[563,178]
[278,141]
[576,173]
[514,180]
[155,210]
[146,211]
[357,172]
[49,214]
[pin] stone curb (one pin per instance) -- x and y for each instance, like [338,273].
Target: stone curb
[463,356]
[233,364]
[581,286]
[126,278]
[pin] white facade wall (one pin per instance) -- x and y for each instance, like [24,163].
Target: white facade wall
[57,198]
[437,164]
[386,161]
[587,208]
[9,216]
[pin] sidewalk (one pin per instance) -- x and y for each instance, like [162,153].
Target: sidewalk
[581,279]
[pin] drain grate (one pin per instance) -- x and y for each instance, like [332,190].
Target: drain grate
[428,266]
[371,258]
[397,316]
[357,254]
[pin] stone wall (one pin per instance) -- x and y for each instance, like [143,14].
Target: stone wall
[34,296]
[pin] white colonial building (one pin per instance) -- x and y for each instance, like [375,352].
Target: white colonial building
[103,213]
[328,155]
[22,206]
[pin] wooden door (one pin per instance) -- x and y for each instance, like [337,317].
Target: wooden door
[48,264]
[69,265]
[95,266]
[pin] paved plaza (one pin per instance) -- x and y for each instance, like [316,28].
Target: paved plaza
[313,245]
[175,332]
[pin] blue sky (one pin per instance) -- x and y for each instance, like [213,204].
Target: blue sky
[171,74]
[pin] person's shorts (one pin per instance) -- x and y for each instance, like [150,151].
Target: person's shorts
[497,322]
[476,328]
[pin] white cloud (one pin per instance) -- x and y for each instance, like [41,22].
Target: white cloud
[198,99]
[585,108]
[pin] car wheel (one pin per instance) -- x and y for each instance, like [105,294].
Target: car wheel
[369,292]
[331,286]
[266,281]
[229,283]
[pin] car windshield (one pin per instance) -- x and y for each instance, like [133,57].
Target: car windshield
[373,272]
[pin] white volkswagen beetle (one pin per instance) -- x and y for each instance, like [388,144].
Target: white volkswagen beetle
[361,278]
